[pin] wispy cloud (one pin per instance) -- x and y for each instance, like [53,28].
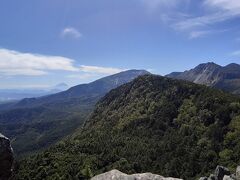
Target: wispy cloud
[71,32]
[13,63]
[198,34]
[213,12]
[236,53]
[227,5]
[163,5]
[82,76]
[152,4]
[202,21]
[100,70]
[203,33]
[25,72]
[88,73]
[17,63]
[237,39]
[22,86]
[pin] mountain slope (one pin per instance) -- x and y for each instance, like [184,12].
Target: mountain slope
[152,124]
[226,78]
[34,124]
[92,90]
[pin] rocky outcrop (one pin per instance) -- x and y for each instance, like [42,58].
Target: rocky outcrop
[220,173]
[223,173]
[6,158]
[203,178]
[117,175]
[228,178]
[238,173]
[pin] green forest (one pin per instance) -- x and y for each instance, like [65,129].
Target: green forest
[152,124]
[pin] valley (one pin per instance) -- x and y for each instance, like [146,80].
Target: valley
[36,123]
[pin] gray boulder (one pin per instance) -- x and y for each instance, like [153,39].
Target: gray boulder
[212,177]
[203,178]
[238,173]
[6,158]
[220,172]
[227,178]
[117,175]
[233,176]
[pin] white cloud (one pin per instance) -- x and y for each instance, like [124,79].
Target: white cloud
[164,5]
[227,5]
[218,11]
[203,33]
[25,72]
[236,53]
[100,70]
[89,73]
[213,12]
[17,63]
[198,34]
[237,39]
[71,32]
[82,76]
[156,3]
[13,63]
[23,86]
[202,21]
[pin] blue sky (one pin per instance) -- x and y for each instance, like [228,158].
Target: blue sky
[45,42]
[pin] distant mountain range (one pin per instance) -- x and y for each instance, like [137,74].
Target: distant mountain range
[93,90]
[83,92]
[226,78]
[7,95]
[35,123]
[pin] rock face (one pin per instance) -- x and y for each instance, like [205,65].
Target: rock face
[221,171]
[117,175]
[6,158]
[222,77]
[208,74]
[212,177]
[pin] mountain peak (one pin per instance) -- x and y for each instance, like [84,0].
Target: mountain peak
[211,74]
[232,66]
[212,63]
[208,65]
[122,77]
[135,71]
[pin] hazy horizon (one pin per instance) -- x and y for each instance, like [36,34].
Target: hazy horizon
[44,43]
[51,87]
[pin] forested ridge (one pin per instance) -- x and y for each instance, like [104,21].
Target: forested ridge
[34,124]
[152,124]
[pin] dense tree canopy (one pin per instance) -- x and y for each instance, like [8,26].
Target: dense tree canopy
[169,127]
